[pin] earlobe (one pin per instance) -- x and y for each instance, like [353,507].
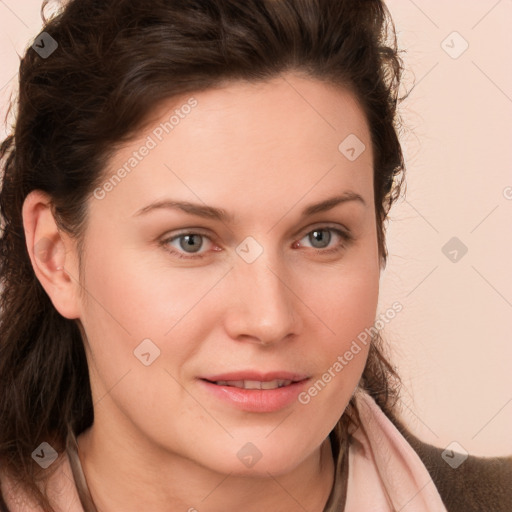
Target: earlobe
[51,254]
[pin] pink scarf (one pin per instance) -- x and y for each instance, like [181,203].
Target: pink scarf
[385,473]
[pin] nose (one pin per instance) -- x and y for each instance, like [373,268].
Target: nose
[263,308]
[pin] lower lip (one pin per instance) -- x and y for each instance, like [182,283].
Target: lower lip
[256,400]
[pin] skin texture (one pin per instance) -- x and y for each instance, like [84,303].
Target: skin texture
[262,152]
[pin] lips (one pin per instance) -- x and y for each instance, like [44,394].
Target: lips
[255,391]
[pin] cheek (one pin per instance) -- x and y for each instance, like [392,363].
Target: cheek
[346,301]
[129,292]
[128,302]
[129,299]
[344,296]
[349,310]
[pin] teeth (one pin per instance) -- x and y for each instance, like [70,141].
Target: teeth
[254,384]
[251,384]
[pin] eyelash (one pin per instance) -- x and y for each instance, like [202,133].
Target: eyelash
[346,239]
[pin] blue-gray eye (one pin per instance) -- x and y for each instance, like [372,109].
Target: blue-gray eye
[190,243]
[322,236]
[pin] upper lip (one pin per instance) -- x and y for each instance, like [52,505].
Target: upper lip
[256,376]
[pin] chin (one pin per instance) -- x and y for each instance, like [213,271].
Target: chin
[257,459]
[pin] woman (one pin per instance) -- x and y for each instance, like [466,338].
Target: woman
[193,203]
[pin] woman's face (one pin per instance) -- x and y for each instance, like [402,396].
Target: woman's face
[246,285]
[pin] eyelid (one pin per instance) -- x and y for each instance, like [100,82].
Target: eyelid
[326,225]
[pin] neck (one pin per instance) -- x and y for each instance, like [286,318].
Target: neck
[136,479]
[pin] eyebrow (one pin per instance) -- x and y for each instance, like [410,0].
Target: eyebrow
[211,212]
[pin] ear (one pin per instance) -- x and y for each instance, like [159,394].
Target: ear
[52,253]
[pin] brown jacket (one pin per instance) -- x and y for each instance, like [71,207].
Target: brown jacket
[479,484]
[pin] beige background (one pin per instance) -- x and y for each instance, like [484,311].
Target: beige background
[452,341]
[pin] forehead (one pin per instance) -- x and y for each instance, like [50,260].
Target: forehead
[248,143]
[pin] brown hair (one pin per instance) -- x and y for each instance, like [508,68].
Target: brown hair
[115,62]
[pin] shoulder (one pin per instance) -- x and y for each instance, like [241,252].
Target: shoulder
[13,498]
[477,484]
[59,489]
